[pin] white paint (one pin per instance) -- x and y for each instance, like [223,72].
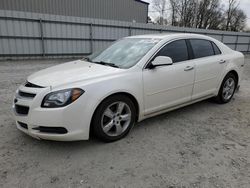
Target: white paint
[156,90]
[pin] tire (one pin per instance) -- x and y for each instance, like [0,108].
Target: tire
[222,97]
[114,118]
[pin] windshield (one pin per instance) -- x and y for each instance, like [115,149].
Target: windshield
[124,53]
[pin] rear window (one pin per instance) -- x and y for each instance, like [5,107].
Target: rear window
[202,48]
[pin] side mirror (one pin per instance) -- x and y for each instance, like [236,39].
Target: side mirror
[161,61]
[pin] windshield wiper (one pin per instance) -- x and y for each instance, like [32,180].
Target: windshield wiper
[106,63]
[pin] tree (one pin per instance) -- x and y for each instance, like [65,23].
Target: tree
[196,13]
[216,20]
[209,14]
[235,18]
[160,7]
[174,7]
[161,21]
[205,14]
[238,20]
[182,12]
[187,10]
[232,7]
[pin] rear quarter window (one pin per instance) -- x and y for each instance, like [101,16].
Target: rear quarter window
[216,49]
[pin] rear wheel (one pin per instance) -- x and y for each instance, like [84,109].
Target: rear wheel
[114,118]
[227,89]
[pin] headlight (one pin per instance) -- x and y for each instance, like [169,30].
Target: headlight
[61,98]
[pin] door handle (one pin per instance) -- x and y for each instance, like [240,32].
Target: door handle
[188,68]
[222,61]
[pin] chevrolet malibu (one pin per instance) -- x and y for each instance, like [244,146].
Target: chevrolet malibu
[135,78]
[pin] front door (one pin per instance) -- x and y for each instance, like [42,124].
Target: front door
[170,85]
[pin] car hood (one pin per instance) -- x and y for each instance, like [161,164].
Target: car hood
[70,72]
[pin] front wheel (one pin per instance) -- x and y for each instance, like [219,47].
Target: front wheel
[114,118]
[227,89]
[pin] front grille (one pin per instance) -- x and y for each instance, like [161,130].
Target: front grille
[26,95]
[55,130]
[22,110]
[28,84]
[23,125]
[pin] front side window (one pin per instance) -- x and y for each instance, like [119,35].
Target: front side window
[176,50]
[201,48]
[124,53]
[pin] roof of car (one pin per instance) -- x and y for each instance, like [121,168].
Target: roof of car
[169,35]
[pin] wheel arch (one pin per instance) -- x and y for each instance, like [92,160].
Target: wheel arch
[225,73]
[129,95]
[234,72]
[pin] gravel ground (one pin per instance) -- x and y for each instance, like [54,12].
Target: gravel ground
[202,145]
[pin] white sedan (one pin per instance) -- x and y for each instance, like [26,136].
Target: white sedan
[135,78]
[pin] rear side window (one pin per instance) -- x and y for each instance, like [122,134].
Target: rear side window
[216,49]
[176,50]
[201,48]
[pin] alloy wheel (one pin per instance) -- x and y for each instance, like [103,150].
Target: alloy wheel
[116,118]
[228,88]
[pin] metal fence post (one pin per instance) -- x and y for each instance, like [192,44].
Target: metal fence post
[236,42]
[248,48]
[130,31]
[91,38]
[222,37]
[42,36]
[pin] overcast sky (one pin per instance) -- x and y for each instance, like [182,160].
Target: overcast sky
[244,5]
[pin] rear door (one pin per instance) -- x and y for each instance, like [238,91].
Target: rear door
[208,64]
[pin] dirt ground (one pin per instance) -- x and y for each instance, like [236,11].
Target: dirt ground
[202,145]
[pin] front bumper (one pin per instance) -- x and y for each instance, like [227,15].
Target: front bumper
[71,136]
[71,118]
